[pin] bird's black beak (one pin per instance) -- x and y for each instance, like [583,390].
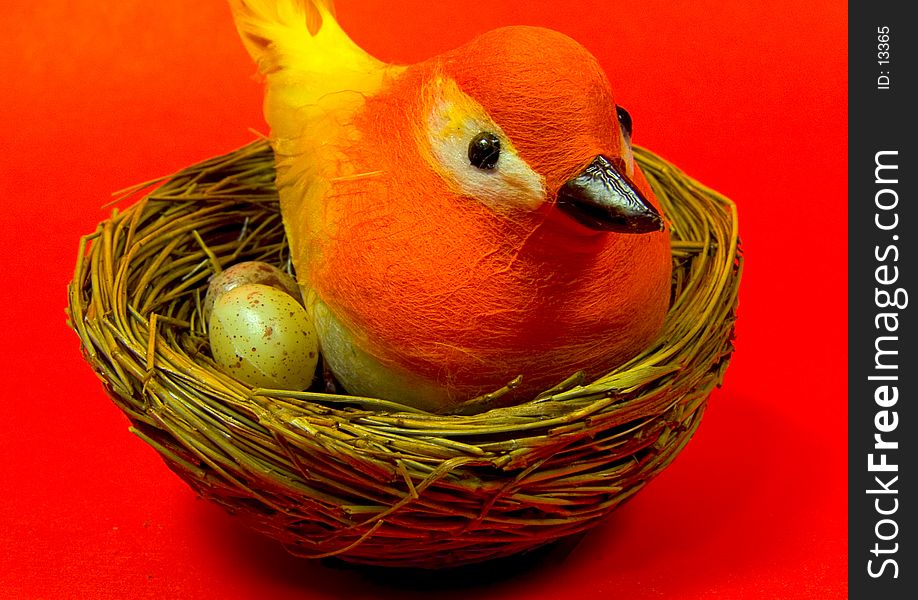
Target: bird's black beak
[602,198]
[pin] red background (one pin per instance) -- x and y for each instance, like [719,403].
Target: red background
[750,98]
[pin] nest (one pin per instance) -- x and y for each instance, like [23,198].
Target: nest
[367,480]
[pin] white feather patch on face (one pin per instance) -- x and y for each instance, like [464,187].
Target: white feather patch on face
[453,121]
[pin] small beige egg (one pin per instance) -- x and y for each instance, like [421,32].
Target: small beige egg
[252,271]
[264,338]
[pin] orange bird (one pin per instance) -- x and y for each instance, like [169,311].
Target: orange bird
[460,221]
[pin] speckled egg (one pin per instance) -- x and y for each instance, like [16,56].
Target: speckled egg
[252,271]
[263,337]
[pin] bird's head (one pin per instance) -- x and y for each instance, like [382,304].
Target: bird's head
[523,120]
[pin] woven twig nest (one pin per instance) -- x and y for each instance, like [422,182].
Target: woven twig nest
[371,481]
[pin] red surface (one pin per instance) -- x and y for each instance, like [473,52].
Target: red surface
[750,98]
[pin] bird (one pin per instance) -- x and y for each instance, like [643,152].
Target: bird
[461,221]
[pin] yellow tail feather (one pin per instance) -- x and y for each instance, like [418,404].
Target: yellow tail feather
[304,54]
[292,34]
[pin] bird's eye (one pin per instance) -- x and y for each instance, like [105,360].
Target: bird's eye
[625,120]
[484,150]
